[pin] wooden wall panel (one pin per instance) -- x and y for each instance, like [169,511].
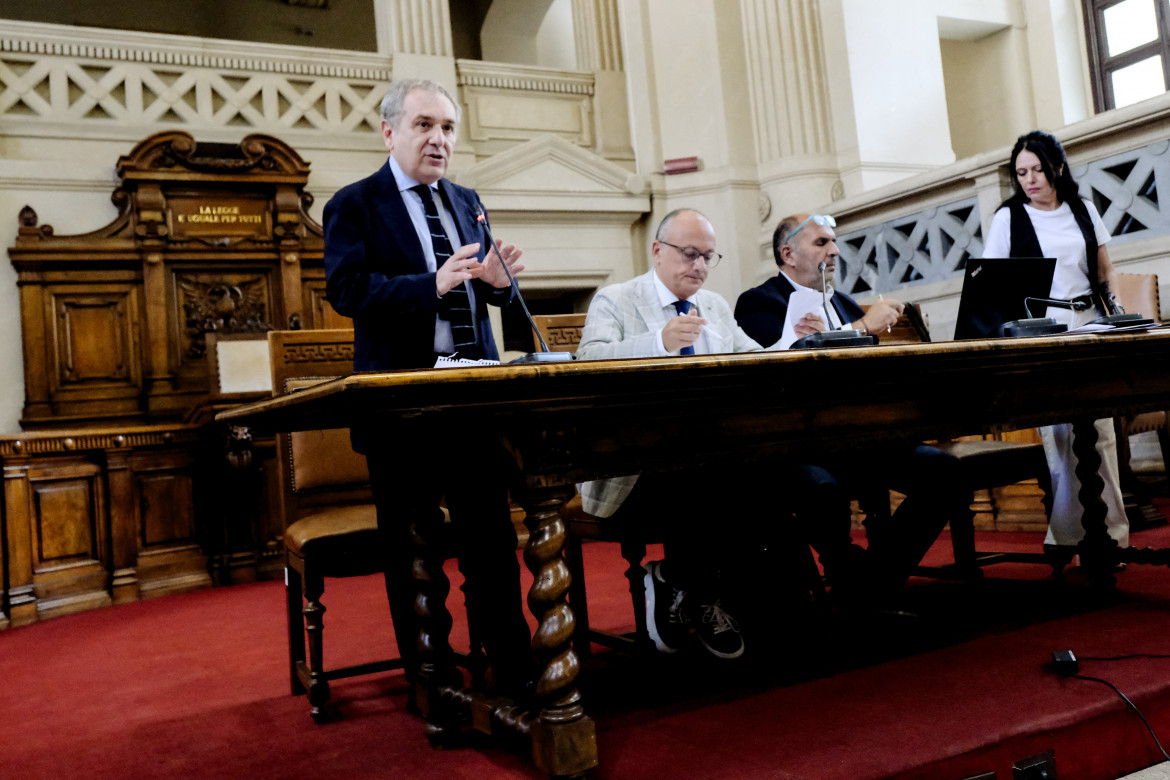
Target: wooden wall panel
[95,517]
[210,238]
[92,349]
[93,339]
[319,313]
[66,521]
[121,487]
[67,559]
[165,501]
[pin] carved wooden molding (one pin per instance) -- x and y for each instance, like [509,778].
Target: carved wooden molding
[42,443]
[221,303]
[317,353]
[211,238]
[564,338]
[175,151]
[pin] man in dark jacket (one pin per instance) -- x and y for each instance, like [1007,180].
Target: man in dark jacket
[404,259]
[819,493]
[801,244]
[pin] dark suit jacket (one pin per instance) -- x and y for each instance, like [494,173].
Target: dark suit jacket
[376,272]
[761,310]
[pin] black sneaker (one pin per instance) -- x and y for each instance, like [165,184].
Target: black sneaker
[718,631]
[666,621]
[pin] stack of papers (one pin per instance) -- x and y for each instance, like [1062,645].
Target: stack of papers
[1094,327]
[453,362]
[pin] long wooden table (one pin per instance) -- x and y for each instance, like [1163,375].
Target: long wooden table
[567,422]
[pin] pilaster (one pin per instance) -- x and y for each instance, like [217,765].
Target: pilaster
[597,34]
[790,112]
[417,35]
[414,27]
[599,49]
[786,75]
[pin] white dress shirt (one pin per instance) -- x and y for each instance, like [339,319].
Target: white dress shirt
[444,340]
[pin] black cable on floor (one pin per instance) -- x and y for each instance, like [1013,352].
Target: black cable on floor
[1120,657]
[1125,698]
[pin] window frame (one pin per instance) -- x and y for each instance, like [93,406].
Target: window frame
[1102,66]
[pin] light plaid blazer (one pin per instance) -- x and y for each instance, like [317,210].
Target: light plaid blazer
[623,322]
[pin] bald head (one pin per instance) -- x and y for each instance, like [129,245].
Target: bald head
[683,232]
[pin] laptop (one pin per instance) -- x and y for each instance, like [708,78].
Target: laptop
[994,290]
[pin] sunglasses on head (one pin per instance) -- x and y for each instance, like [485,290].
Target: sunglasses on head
[824,220]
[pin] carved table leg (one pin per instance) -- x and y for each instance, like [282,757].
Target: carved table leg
[564,740]
[313,587]
[436,659]
[1099,553]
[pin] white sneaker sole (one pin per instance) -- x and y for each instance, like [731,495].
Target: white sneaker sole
[719,654]
[651,624]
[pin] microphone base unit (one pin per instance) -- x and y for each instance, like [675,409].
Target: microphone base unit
[545,357]
[1033,326]
[834,338]
[1123,320]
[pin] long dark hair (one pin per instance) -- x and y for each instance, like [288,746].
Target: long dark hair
[1052,159]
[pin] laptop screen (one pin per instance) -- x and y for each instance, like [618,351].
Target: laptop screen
[994,290]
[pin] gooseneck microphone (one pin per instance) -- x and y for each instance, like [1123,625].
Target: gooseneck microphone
[830,337]
[821,266]
[1047,326]
[532,357]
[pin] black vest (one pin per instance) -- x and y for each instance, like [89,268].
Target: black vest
[1025,244]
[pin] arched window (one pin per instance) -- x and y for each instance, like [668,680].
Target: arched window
[1129,50]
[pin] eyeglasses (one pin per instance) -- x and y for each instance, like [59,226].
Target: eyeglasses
[824,220]
[692,255]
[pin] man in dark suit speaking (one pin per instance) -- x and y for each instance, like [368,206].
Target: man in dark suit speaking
[404,260]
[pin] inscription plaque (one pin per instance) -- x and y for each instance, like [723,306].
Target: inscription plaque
[193,217]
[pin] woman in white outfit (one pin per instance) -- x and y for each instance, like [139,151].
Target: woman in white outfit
[1046,217]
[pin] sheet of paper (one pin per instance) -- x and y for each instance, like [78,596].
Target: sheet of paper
[800,303]
[1093,327]
[449,362]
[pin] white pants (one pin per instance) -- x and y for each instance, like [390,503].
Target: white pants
[1064,526]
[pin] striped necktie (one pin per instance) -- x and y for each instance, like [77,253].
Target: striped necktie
[682,307]
[455,304]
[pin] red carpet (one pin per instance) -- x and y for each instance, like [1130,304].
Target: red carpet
[196,686]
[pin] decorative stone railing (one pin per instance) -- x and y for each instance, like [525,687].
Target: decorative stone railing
[57,80]
[88,79]
[915,236]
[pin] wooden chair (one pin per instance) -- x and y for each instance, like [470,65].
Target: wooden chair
[911,328]
[562,332]
[987,464]
[332,525]
[1138,293]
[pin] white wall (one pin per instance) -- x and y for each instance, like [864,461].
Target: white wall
[891,120]
[988,104]
[555,44]
[530,32]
